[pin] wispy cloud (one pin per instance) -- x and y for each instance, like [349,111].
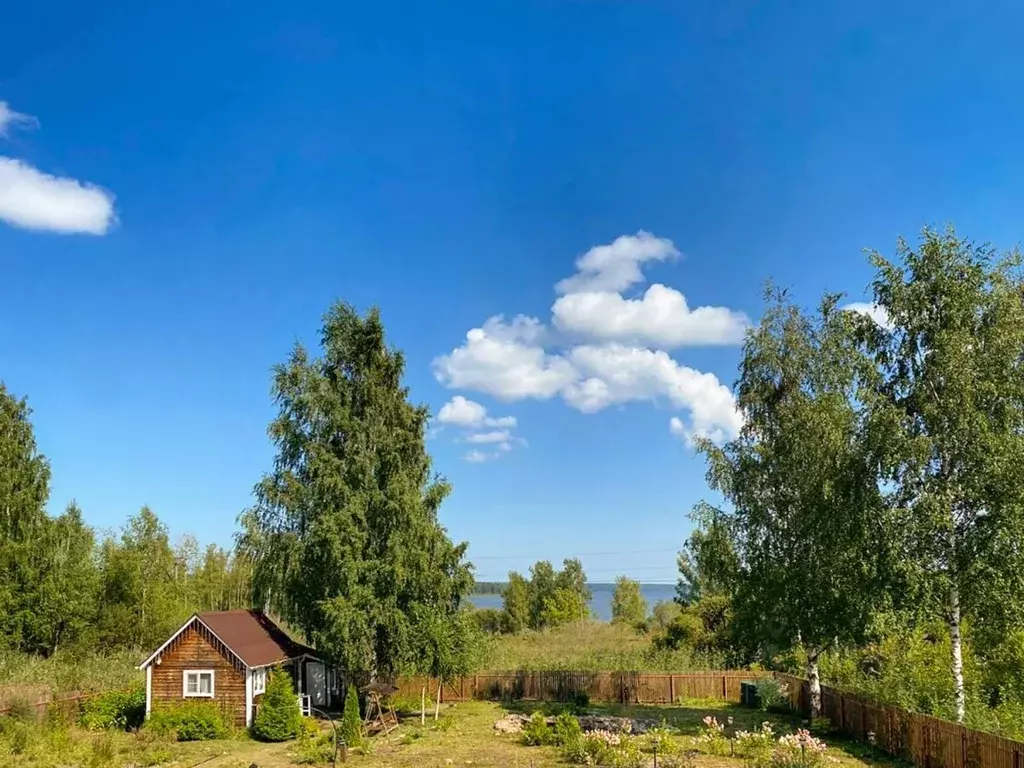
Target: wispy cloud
[9,119]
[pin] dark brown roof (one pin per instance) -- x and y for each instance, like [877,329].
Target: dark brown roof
[253,637]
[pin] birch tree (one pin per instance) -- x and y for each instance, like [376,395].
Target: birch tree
[344,536]
[806,509]
[950,414]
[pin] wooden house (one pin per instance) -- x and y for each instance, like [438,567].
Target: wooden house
[225,656]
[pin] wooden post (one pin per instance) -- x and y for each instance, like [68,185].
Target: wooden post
[842,723]
[963,746]
[672,691]
[462,687]
[476,686]
[725,695]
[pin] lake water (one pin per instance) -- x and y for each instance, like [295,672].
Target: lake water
[601,600]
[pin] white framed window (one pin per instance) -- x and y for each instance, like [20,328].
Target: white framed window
[259,680]
[197,683]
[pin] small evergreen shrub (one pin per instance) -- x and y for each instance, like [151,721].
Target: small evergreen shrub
[190,721]
[278,717]
[351,730]
[125,710]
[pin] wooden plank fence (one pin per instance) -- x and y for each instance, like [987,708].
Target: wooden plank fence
[554,685]
[43,705]
[928,742]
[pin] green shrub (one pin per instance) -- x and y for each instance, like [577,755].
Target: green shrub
[772,695]
[189,721]
[313,746]
[567,728]
[125,710]
[580,701]
[351,730]
[537,732]
[278,717]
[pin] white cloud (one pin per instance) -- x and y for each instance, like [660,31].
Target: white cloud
[676,427]
[35,200]
[512,360]
[616,266]
[504,360]
[497,436]
[617,374]
[477,457]
[874,311]
[461,412]
[11,119]
[661,317]
[32,199]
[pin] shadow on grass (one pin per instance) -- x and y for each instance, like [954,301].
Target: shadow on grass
[688,715]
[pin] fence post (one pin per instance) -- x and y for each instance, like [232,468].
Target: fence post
[672,692]
[462,687]
[963,747]
[725,694]
[476,685]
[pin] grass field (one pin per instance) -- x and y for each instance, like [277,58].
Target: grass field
[592,646]
[464,736]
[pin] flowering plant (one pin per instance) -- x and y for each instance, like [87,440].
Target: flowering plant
[752,743]
[712,737]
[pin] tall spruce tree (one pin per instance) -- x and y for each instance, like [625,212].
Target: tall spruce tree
[344,535]
[949,417]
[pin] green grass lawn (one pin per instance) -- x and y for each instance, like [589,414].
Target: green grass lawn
[463,736]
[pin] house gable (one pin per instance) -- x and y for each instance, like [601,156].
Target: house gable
[195,647]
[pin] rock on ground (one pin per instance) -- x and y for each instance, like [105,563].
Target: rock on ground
[514,722]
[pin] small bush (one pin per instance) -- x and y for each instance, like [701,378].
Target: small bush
[313,747]
[795,750]
[537,732]
[125,710]
[772,695]
[580,701]
[712,737]
[189,721]
[278,717]
[351,730]
[567,728]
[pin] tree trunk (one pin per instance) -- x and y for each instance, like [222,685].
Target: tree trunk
[814,684]
[437,701]
[959,703]
[423,705]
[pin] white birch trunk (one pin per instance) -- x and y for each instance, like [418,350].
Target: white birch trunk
[423,705]
[959,702]
[437,701]
[814,684]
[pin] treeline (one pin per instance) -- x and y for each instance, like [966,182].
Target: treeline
[548,598]
[874,509]
[64,587]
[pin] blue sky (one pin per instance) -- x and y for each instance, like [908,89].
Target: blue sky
[182,196]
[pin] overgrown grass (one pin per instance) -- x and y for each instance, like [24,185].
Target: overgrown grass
[67,672]
[590,646]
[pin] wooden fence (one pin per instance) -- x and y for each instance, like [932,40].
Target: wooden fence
[621,687]
[928,742]
[42,704]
